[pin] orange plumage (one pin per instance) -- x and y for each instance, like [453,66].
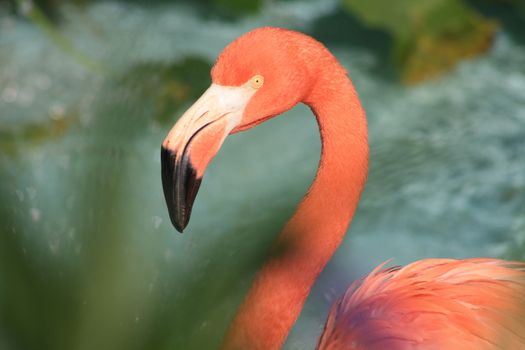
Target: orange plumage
[432,304]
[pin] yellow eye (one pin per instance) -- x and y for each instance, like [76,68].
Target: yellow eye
[257,81]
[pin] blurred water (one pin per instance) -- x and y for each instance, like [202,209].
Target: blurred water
[88,258]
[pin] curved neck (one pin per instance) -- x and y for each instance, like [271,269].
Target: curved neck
[314,232]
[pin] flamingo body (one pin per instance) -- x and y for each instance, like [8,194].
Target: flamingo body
[430,304]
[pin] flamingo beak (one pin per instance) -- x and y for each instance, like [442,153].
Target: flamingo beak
[194,141]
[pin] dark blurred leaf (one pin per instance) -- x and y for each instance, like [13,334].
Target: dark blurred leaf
[429,36]
[35,133]
[510,13]
[170,85]
[239,6]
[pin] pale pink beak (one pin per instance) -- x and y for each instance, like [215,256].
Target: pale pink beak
[194,141]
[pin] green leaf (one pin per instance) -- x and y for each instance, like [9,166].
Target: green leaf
[429,37]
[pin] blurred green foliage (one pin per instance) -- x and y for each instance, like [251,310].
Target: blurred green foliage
[168,86]
[34,133]
[239,6]
[429,37]
[51,8]
[171,85]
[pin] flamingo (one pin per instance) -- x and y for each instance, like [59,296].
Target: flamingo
[430,304]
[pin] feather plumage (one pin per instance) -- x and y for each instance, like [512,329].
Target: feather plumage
[432,304]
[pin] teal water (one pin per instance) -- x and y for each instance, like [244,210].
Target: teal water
[88,257]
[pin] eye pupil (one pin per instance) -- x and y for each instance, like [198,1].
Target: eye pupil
[257,81]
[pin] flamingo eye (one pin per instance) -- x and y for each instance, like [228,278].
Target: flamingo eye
[257,81]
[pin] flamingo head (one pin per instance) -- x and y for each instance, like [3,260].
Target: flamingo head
[260,75]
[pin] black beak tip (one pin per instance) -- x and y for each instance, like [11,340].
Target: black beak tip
[180,184]
[178,227]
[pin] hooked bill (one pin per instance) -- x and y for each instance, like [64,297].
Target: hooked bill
[194,141]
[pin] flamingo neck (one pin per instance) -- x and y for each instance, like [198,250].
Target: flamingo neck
[315,231]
